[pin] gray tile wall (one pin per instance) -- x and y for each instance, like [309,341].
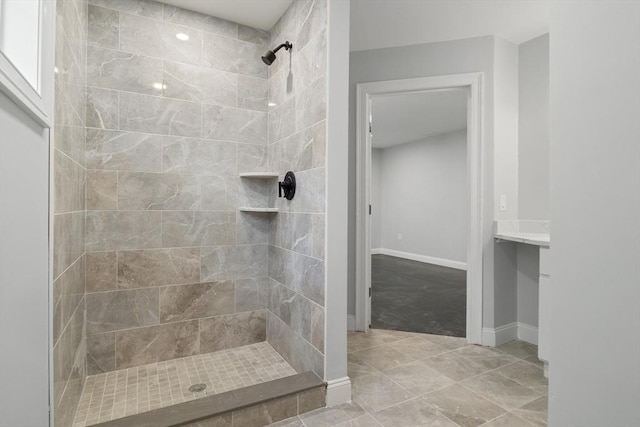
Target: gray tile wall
[68,202]
[297,140]
[172,268]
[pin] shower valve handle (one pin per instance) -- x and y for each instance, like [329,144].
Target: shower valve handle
[288,185]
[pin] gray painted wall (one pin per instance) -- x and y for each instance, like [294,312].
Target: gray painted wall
[533,129]
[433,59]
[24,269]
[424,197]
[595,200]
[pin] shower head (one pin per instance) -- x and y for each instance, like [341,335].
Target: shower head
[270,55]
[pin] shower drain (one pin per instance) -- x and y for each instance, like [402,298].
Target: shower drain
[197,387]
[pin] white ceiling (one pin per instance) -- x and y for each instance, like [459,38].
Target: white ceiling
[390,23]
[262,14]
[408,117]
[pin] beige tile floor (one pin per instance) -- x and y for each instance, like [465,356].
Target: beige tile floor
[131,391]
[403,379]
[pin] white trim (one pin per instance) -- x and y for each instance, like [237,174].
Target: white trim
[509,332]
[458,265]
[351,322]
[528,333]
[38,103]
[476,179]
[337,198]
[338,391]
[494,337]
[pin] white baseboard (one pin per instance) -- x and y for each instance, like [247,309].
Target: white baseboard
[509,332]
[528,333]
[351,322]
[338,391]
[421,258]
[494,337]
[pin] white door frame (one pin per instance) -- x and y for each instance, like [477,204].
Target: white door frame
[475,177]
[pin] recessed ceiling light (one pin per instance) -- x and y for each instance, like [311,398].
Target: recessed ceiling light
[182,36]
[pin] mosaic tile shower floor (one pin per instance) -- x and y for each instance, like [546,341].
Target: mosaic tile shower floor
[131,391]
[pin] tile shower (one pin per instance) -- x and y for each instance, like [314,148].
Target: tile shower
[155,264]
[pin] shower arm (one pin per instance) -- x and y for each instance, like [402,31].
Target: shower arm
[285,45]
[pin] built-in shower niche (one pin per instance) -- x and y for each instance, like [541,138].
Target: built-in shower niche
[180,288]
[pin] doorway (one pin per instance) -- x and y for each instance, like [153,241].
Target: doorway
[469,85]
[419,211]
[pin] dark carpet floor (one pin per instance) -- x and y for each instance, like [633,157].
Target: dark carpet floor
[416,297]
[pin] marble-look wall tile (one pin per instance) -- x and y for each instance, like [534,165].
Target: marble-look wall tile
[158,267]
[253,35]
[233,55]
[113,69]
[251,294]
[101,271]
[111,230]
[232,330]
[310,193]
[300,354]
[318,236]
[143,113]
[318,134]
[68,204]
[68,292]
[69,238]
[101,353]
[293,232]
[68,184]
[156,191]
[110,311]
[199,156]
[301,314]
[102,190]
[297,151]
[102,108]
[233,262]
[311,104]
[69,356]
[281,120]
[155,38]
[69,130]
[136,347]
[195,301]
[298,272]
[64,352]
[200,21]
[252,158]
[253,227]
[199,228]
[200,84]
[311,21]
[226,193]
[234,124]
[115,150]
[148,8]
[253,93]
[311,61]
[103,27]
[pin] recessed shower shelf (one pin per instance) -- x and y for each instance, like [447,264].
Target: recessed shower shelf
[263,210]
[260,175]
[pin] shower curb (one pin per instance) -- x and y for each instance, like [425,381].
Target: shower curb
[256,405]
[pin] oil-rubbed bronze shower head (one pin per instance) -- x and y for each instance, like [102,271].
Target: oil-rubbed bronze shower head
[270,55]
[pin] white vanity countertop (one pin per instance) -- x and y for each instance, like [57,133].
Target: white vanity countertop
[523,231]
